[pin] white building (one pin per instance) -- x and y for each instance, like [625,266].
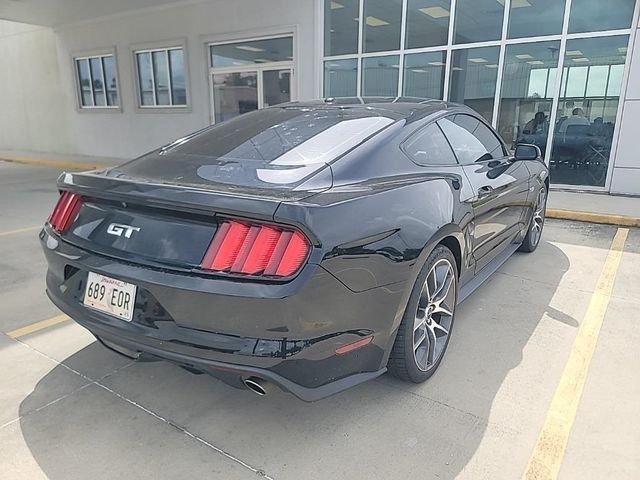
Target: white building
[120,78]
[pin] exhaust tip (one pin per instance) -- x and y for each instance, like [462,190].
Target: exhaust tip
[256,385]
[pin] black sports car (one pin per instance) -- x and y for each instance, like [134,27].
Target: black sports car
[312,246]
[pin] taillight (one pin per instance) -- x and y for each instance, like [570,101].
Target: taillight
[255,249]
[65,211]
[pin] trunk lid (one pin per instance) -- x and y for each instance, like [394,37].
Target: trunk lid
[161,225]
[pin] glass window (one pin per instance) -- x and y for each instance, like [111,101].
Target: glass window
[84,78]
[267,148]
[430,147]
[467,147]
[382,19]
[248,53]
[145,78]
[424,75]
[474,74]
[478,20]
[427,23]
[527,93]
[161,77]
[178,84]
[597,15]
[530,18]
[380,76]
[587,110]
[276,87]
[109,67]
[482,133]
[340,27]
[161,80]
[234,94]
[340,78]
[97,83]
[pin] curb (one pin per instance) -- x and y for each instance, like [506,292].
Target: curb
[603,218]
[55,163]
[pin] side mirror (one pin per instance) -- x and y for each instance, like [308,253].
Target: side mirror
[526,151]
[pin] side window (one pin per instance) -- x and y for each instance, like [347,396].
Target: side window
[468,148]
[430,147]
[482,133]
[471,140]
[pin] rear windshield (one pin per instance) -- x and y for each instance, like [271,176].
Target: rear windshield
[268,148]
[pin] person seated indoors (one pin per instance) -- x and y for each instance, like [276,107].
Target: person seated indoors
[577,118]
[538,124]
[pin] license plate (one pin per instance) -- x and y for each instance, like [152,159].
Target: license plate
[111,296]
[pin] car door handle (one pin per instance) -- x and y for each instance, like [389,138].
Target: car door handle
[484,191]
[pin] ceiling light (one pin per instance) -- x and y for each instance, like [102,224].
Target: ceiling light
[248,48]
[457,69]
[436,64]
[581,60]
[574,53]
[622,49]
[376,22]
[516,3]
[435,12]
[524,56]
[418,70]
[336,5]
[493,65]
[478,60]
[535,62]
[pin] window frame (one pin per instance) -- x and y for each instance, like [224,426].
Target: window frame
[88,55]
[416,133]
[262,34]
[165,45]
[450,116]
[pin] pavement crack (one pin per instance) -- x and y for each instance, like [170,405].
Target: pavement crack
[257,471]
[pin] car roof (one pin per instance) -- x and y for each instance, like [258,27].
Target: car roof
[396,107]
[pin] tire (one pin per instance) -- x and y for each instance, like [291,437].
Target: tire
[534,230]
[430,311]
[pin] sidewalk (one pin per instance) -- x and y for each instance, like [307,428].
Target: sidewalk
[594,207]
[567,205]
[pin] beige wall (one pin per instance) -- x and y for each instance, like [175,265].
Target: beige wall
[37,82]
[626,170]
[33,109]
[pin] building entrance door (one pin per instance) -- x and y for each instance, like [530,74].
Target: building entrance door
[245,76]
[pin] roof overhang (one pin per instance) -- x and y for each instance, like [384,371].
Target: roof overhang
[54,13]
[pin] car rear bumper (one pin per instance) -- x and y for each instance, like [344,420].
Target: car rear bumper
[286,334]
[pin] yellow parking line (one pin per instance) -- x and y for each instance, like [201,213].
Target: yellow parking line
[548,452]
[61,164]
[20,230]
[34,327]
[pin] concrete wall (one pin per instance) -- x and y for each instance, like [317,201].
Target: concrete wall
[129,132]
[626,171]
[33,108]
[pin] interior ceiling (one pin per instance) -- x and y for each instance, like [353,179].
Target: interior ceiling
[59,12]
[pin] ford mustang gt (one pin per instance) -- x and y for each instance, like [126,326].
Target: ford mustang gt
[309,246]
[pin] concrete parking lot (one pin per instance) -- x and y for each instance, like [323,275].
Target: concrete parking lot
[70,409]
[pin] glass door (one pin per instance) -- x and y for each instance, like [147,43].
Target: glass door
[234,94]
[276,87]
[248,75]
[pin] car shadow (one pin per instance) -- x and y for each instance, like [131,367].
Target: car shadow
[382,429]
